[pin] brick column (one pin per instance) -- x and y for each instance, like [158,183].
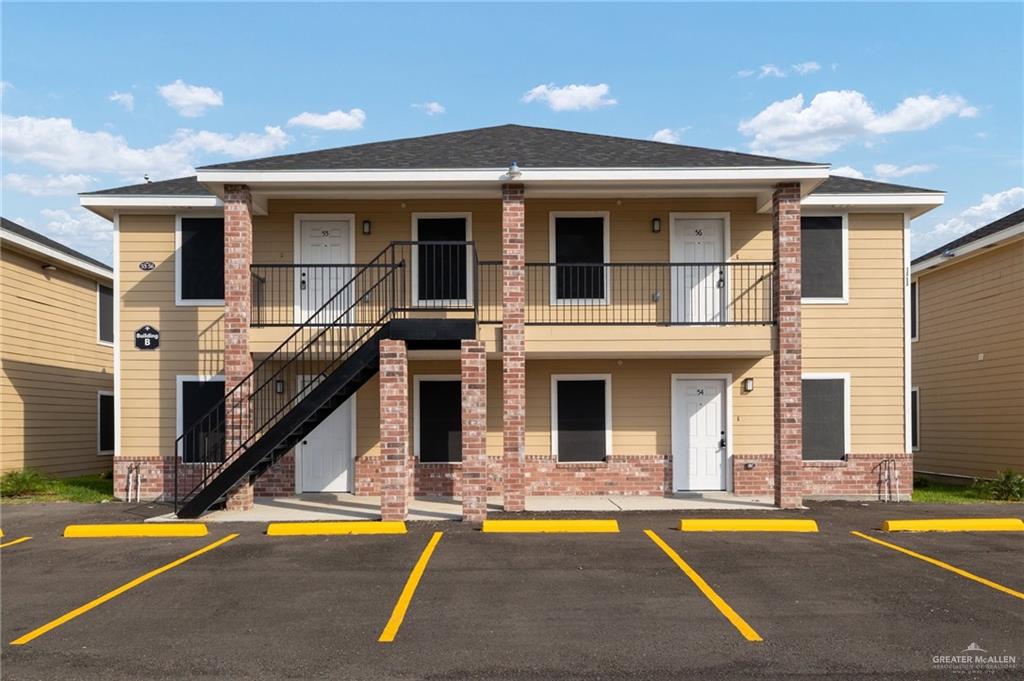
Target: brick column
[395,465]
[474,431]
[237,299]
[513,344]
[787,389]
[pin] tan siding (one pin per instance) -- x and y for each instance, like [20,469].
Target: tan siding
[865,337]
[53,368]
[191,338]
[969,365]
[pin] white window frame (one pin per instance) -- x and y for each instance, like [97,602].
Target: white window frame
[607,378]
[179,394]
[845,298]
[917,420]
[415,255]
[178,300]
[99,323]
[847,425]
[915,312]
[99,422]
[553,269]
[416,382]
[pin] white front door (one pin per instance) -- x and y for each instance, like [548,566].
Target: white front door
[698,434]
[699,285]
[324,243]
[325,455]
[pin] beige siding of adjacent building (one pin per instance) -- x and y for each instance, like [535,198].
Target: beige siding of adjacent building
[191,338]
[865,337]
[969,365]
[53,368]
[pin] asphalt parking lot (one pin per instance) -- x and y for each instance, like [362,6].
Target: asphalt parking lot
[556,606]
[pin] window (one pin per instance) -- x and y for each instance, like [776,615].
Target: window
[826,425]
[438,436]
[823,253]
[105,422]
[579,248]
[199,266]
[913,310]
[441,272]
[105,313]
[581,417]
[915,419]
[197,396]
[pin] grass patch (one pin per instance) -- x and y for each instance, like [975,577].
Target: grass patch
[27,487]
[930,492]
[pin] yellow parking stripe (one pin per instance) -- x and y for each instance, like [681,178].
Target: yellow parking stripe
[741,624]
[955,525]
[398,614]
[15,541]
[136,530]
[335,527]
[36,633]
[746,525]
[944,566]
[530,526]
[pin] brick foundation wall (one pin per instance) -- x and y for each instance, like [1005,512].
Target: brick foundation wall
[157,478]
[861,476]
[642,475]
[279,479]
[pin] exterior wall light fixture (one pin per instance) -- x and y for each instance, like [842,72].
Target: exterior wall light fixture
[367,226]
[748,385]
[656,225]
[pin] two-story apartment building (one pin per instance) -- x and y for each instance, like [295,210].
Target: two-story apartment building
[512,311]
[56,356]
[967,334]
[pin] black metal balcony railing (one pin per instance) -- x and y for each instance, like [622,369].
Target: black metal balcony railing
[639,294]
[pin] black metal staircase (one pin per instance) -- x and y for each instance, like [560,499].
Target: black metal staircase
[324,362]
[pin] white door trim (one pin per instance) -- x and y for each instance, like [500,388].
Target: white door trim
[605,235]
[726,423]
[416,381]
[414,256]
[352,435]
[726,218]
[297,249]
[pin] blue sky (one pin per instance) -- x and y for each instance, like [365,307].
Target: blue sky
[96,95]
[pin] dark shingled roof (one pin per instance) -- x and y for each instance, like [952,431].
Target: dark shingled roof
[50,243]
[497,146]
[836,184]
[182,186]
[1005,222]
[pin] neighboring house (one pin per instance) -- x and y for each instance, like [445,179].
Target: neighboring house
[968,353]
[56,356]
[638,305]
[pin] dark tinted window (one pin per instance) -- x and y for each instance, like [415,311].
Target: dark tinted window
[442,267]
[579,244]
[106,418]
[202,258]
[206,443]
[821,257]
[106,313]
[914,419]
[824,418]
[913,309]
[581,420]
[440,421]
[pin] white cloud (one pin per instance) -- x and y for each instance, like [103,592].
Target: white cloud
[48,185]
[847,171]
[5,85]
[806,68]
[78,228]
[332,120]
[745,73]
[990,208]
[771,71]
[888,171]
[669,135]
[430,108]
[125,99]
[571,97]
[836,118]
[188,100]
[56,144]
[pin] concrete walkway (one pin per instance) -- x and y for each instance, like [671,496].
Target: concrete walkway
[308,507]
